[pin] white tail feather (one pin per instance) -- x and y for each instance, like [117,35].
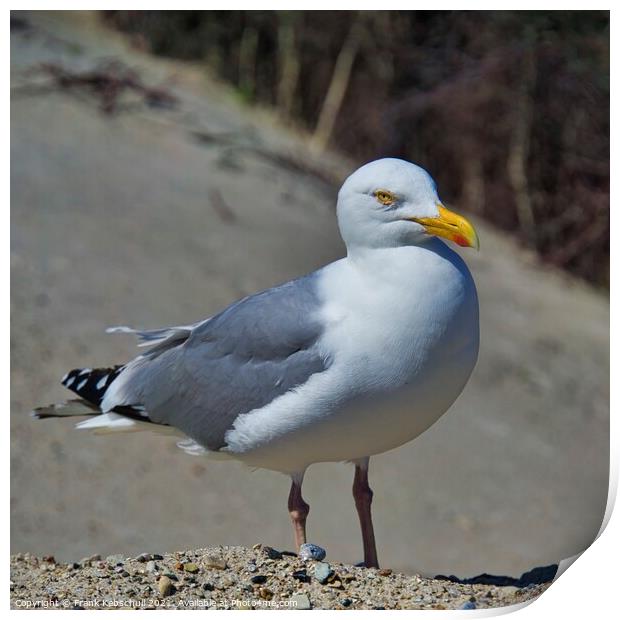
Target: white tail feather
[116,423]
[111,421]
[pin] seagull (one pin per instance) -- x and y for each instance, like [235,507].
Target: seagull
[354,359]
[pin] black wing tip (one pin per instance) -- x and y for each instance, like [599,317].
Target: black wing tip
[38,413]
[73,407]
[91,384]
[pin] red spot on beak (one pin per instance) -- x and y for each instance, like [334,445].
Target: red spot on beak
[458,239]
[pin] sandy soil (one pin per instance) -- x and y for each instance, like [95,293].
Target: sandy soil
[130,219]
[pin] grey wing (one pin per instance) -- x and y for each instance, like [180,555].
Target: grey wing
[200,380]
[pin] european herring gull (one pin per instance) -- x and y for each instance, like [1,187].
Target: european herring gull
[354,359]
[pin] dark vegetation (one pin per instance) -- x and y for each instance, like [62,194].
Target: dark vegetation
[509,110]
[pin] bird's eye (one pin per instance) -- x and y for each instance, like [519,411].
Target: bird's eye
[385,197]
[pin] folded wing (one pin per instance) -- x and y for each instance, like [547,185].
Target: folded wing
[200,378]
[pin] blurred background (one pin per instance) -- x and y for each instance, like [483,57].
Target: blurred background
[510,109]
[164,164]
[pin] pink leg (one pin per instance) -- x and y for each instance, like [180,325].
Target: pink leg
[362,494]
[298,509]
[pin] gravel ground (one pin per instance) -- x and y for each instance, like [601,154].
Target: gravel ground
[239,578]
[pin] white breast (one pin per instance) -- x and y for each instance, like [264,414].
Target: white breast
[402,336]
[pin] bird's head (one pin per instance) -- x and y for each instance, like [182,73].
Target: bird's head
[391,202]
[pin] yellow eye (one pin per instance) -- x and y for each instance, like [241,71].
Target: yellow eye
[385,197]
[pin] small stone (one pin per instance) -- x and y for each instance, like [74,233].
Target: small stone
[272,553]
[258,579]
[322,571]
[346,602]
[115,559]
[164,585]
[179,566]
[157,556]
[468,605]
[50,559]
[251,567]
[301,575]
[300,601]
[90,559]
[214,561]
[308,551]
[144,557]
[191,567]
[385,572]
[151,567]
[265,593]
[208,587]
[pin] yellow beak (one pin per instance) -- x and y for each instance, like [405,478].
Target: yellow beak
[451,226]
